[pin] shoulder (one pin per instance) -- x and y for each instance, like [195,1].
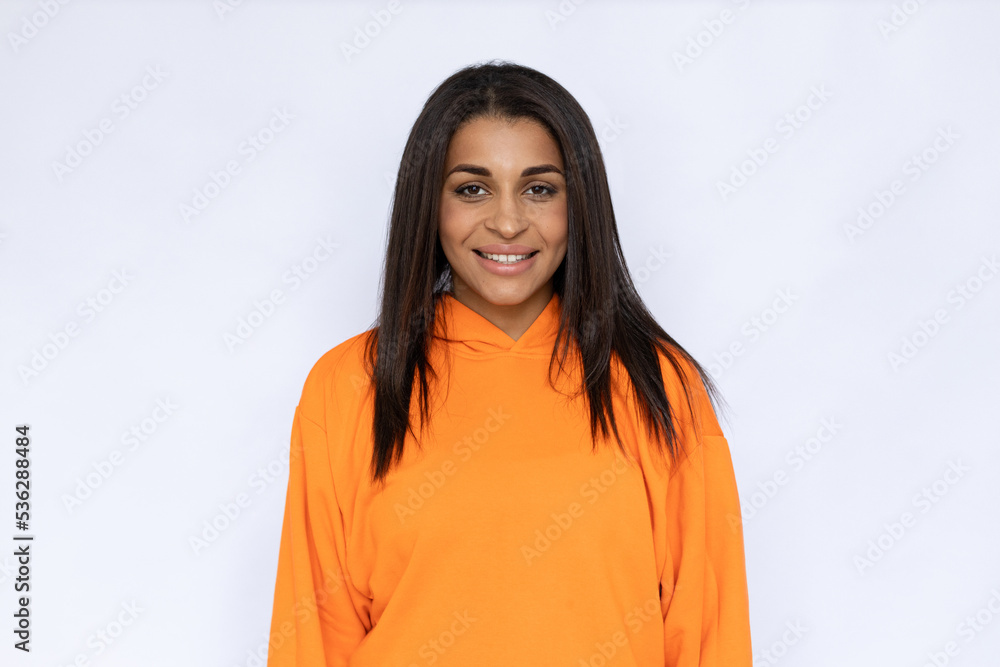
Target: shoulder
[687,392]
[684,386]
[336,380]
[705,448]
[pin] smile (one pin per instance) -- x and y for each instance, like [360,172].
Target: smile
[506,259]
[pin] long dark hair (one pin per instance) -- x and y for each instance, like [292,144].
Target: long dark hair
[602,313]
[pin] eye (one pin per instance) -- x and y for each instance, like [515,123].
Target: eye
[546,190]
[462,191]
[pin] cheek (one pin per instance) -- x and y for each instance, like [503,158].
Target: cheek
[554,225]
[449,225]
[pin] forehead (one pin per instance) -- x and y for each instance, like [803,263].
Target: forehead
[501,141]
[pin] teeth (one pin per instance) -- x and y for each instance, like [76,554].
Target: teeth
[505,259]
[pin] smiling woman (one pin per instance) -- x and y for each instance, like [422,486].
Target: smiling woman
[504,180]
[588,516]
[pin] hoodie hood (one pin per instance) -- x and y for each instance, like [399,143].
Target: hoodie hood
[466,331]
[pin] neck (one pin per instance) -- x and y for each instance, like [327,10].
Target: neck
[513,319]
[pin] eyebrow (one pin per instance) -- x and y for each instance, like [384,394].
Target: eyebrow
[483,171]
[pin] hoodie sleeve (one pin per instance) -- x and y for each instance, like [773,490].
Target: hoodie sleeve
[314,622]
[704,582]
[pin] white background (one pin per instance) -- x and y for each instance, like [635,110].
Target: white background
[893,75]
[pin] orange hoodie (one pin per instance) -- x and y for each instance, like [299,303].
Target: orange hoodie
[505,540]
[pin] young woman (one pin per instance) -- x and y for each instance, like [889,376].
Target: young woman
[517,465]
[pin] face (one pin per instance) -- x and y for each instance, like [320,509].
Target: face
[503,223]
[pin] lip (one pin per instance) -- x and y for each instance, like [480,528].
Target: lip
[499,269]
[506,249]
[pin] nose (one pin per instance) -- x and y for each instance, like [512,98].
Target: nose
[508,217]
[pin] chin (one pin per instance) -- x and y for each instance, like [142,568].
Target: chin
[507,297]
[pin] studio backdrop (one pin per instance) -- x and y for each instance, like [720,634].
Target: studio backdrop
[194,200]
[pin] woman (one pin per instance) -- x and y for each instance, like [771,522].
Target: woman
[509,527]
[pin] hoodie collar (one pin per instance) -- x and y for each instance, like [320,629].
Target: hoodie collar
[466,330]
